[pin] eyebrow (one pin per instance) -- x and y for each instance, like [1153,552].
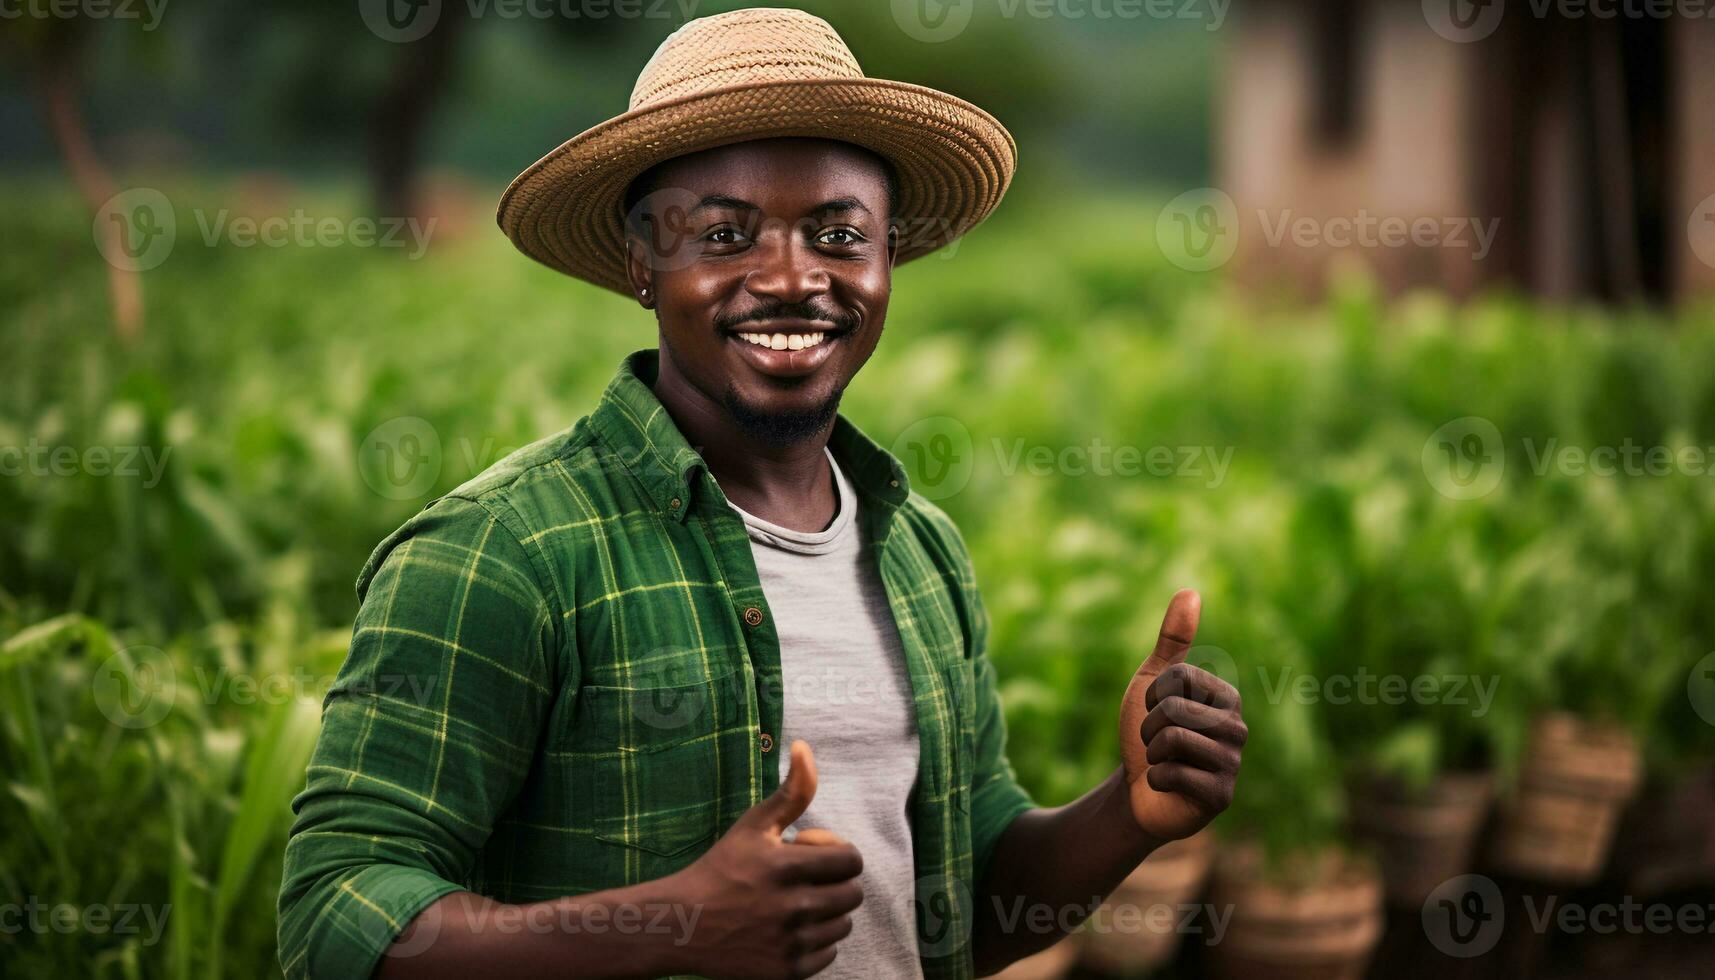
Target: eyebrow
[839,205]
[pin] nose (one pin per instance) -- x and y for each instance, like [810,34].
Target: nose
[788,269]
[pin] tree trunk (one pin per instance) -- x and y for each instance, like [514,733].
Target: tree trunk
[57,82]
[401,117]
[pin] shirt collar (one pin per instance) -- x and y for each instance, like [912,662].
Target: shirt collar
[636,427]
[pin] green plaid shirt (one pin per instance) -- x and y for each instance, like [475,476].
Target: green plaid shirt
[564,678]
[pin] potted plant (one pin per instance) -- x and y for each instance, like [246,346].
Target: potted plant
[1667,842]
[1389,596]
[1294,899]
[1601,630]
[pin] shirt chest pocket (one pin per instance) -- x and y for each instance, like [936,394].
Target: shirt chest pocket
[650,760]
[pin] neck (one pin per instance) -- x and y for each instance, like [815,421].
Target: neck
[790,485]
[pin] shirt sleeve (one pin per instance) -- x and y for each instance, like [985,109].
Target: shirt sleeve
[427,734]
[996,796]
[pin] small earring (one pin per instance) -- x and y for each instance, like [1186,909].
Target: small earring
[643,294]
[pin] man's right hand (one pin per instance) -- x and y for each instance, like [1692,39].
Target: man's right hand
[771,908]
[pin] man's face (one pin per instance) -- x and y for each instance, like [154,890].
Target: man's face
[769,265]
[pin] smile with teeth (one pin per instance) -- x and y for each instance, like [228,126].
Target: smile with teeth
[784,341]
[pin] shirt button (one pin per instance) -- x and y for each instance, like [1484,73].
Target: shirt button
[893,483]
[767,742]
[674,503]
[753,617]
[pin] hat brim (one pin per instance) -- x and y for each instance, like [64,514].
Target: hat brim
[952,161]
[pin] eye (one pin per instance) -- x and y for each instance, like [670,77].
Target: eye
[724,235]
[840,237]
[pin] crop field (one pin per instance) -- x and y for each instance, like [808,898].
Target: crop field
[1417,525]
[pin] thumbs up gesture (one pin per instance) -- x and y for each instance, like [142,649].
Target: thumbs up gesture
[1180,731]
[772,908]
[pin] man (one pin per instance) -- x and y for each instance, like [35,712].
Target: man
[619,633]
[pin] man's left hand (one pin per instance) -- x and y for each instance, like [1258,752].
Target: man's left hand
[1181,733]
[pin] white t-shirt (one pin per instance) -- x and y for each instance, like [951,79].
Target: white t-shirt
[848,693]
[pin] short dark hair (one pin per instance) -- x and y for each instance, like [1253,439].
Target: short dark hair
[647,181]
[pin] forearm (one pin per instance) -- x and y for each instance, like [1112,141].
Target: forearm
[1051,868]
[640,931]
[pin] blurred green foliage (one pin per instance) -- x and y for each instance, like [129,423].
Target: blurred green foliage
[1323,550]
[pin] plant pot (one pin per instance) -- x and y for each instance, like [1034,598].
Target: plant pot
[1051,964]
[1421,837]
[1574,781]
[1667,841]
[1318,917]
[1138,928]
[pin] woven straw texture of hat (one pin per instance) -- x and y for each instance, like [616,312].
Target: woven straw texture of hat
[747,75]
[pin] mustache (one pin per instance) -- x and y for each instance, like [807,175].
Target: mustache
[788,311]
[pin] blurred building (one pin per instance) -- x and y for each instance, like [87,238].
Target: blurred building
[1589,140]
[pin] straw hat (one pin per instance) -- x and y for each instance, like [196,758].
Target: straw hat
[757,74]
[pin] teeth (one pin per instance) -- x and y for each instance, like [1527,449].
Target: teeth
[784,341]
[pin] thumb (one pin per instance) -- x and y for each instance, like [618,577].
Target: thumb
[1178,630]
[789,802]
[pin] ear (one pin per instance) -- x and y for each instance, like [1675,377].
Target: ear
[638,271]
[892,243]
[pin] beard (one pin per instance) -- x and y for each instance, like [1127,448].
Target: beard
[777,429]
[781,429]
